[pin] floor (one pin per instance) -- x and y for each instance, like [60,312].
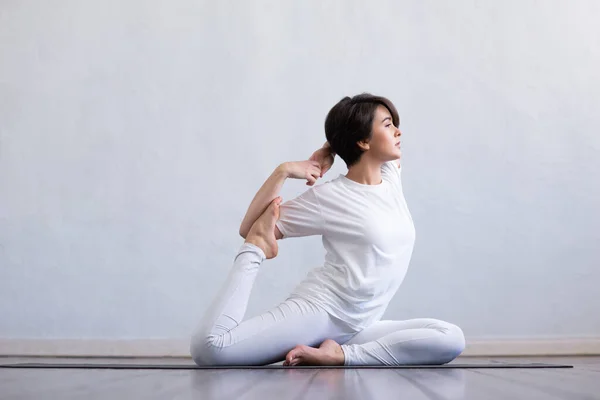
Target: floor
[580,382]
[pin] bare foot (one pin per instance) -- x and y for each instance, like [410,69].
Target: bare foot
[262,233]
[328,353]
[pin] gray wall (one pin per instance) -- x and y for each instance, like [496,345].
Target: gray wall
[133,136]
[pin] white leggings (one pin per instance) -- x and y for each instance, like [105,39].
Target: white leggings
[223,338]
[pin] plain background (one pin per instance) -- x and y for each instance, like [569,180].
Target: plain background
[134,134]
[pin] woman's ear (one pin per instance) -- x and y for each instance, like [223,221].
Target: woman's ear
[364,145]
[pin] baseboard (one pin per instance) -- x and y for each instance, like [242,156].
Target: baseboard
[95,347]
[587,346]
[180,347]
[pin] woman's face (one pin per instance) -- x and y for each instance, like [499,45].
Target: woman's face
[385,142]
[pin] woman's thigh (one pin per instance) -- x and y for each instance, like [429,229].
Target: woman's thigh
[268,337]
[386,327]
[416,341]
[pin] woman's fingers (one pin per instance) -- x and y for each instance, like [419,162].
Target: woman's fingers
[312,172]
[323,170]
[312,177]
[317,171]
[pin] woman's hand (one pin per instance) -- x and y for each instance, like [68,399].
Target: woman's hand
[309,170]
[324,157]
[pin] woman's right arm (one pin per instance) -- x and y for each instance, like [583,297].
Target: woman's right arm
[309,170]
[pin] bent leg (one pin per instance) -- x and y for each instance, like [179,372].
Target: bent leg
[266,338]
[416,341]
[228,308]
[223,339]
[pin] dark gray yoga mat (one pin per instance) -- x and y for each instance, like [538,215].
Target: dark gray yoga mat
[192,366]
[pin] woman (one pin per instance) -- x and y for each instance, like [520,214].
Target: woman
[333,316]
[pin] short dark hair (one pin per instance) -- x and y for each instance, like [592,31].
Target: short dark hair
[351,121]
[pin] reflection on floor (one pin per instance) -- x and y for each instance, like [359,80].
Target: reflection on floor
[580,382]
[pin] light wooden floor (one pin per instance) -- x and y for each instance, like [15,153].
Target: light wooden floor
[581,382]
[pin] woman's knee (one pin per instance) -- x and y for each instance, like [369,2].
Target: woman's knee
[455,341]
[204,351]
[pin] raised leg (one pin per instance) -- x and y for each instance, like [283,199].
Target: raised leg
[223,338]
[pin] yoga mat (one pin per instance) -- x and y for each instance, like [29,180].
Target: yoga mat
[192,366]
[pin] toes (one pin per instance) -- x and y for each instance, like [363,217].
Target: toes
[277,204]
[274,206]
[296,360]
[292,362]
[294,357]
[289,357]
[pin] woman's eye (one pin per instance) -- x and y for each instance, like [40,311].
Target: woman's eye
[388,125]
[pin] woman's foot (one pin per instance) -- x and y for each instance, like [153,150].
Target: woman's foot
[262,233]
[328,353]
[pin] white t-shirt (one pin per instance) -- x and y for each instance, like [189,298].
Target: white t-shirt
[368,235]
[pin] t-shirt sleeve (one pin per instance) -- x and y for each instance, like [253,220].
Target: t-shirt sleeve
[301,216]
[391,172]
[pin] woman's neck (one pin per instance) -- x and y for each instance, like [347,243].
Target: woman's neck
[366,172]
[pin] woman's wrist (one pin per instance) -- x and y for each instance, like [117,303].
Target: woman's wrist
[283,170]
[327,147]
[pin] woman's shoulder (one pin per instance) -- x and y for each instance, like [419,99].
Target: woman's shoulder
[326,186]
[328,191]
